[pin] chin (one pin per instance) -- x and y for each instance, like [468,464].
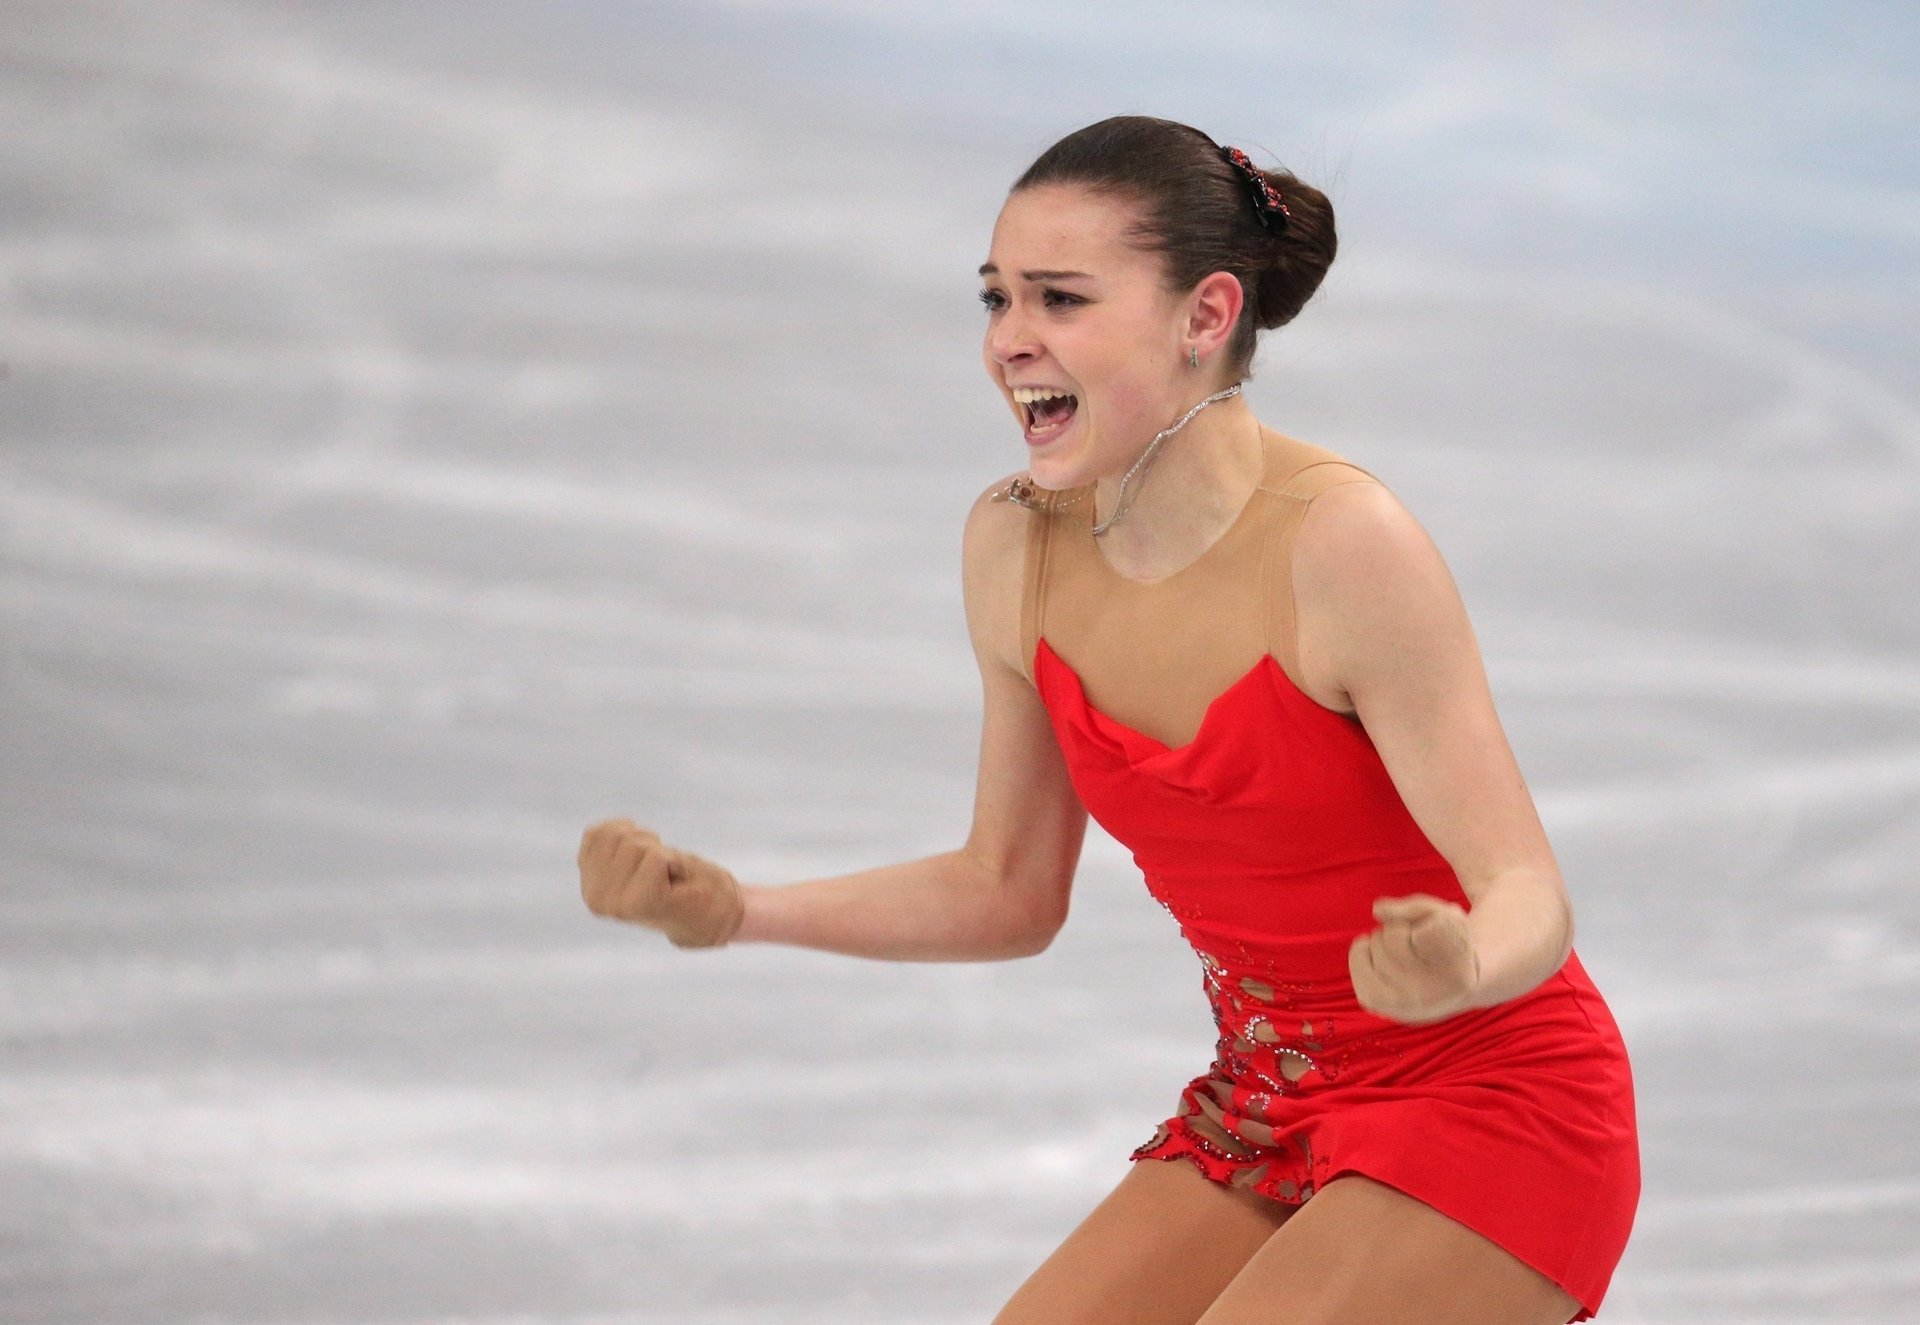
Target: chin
[1058,478]
[1049,474]
[1066,462]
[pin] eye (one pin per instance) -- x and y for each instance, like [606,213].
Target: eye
[993,300]
[1060,298]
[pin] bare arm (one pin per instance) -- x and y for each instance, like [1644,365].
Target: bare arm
[1004,893]
[1383,609]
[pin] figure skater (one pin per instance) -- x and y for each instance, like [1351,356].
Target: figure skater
[1241,654]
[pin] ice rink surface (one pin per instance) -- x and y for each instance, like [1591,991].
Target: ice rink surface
[429,428]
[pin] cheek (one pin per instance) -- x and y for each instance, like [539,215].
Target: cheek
[1127,396]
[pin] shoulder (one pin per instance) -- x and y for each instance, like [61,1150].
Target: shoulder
[992,560]
[1357,525]
[995,525]
[1350,521]
[994,539]
[1368,571]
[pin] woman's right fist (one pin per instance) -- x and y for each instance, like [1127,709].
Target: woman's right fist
[628,873]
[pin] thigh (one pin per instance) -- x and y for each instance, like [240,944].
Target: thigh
[1362,1251]
[1156,1251]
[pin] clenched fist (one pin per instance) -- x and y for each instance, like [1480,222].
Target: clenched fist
[1420,966]
[628,873]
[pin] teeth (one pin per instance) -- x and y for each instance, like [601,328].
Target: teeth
[1028,395]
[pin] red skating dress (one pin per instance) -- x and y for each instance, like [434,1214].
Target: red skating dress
[1267,837]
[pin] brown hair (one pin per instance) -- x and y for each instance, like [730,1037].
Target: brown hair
[1198,213]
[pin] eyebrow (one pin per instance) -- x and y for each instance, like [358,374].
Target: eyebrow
[988,269]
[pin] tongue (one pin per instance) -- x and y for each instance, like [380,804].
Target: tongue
[1051,410]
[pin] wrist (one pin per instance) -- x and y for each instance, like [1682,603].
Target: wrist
[720,918]
[736,913]
[1518,932]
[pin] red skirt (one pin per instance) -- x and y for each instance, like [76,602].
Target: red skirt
[1515,1120]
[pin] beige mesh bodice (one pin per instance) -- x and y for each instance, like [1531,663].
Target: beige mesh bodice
[1153,654]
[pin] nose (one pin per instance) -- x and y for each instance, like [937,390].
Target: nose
[1008,338]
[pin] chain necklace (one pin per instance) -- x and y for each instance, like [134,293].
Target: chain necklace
[1026,493]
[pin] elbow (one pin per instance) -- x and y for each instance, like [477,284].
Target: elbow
[1047,910]
[1027,905]
[1042,921]
[1037,938]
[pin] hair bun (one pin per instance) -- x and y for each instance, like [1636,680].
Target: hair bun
[1300,253]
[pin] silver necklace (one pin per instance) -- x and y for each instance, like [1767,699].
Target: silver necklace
[1023,490]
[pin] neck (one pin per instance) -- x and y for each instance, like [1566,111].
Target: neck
[1188,494]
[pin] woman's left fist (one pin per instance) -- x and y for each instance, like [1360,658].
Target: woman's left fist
[1420,965]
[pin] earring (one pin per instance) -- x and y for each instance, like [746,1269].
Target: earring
[1193,356]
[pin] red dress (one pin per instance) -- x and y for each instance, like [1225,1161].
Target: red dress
[1267,837]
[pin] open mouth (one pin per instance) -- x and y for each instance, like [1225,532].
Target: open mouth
[1046,410]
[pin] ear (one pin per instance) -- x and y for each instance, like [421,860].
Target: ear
[1213,310]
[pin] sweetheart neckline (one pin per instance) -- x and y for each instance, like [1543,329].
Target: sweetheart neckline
[1214,705]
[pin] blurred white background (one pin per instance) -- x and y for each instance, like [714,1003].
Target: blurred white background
[428,428]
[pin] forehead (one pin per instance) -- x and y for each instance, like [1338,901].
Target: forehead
[1063,227]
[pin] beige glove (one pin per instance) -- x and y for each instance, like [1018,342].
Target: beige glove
[628,873]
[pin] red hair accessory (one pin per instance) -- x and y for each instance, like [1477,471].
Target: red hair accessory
[1267,202]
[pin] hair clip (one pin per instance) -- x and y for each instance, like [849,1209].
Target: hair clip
[1267,202]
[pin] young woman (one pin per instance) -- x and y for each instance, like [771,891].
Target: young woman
[1245,657]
